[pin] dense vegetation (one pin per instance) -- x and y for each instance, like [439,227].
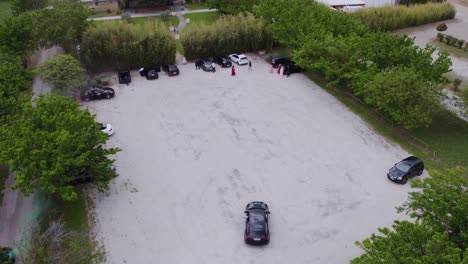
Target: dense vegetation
[395,17]
[127,46]
[374,65]
[229,34]
[233,7]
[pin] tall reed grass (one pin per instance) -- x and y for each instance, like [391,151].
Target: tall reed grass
[395,17]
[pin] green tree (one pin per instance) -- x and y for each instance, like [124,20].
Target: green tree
[62,72]
[19,35]
[50,143]
[439,232]
[14,80]
[21,6]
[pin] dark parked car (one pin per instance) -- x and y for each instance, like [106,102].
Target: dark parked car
[256,223]
[7,255]
[207,65]
[171,69]
[97,93]
[223,61]
[150,73]
[291,67]
[277,60]
[405,169]
[124,77]
[84,176]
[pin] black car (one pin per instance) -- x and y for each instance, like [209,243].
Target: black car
[124,77]
[291,67]
[7,255]
[207,65]
[256,223]
[223,61]
[277,60]
[97,93]
[171,69]
[150,73]
[84,176]
[405,169]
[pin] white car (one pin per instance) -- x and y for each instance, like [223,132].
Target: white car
[107,128]
[240,59]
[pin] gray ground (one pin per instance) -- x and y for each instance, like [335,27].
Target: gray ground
[198,147]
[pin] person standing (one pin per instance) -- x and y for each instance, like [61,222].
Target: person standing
[196,64]
[279,69]
[233,71]
[282,71]
[250,65]
[214,67]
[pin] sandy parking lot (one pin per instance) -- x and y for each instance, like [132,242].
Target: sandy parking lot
[198,147]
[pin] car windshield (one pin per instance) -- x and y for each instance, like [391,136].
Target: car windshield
[403,166]
[103,126]
[257,220]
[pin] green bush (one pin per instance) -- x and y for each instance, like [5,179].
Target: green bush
[112,46]
[440,37]
[229,34]
[395,17]
[460,43]
[441,27]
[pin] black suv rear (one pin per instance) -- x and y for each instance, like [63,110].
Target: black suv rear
[171,69]
[277,60]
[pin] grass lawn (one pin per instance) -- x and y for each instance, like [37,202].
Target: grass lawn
[197,6]
[4,9]
[205,17]
[447,136]
[179,47]
[173,20]
[450,49]
[103,14]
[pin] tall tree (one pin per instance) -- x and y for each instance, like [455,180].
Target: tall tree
[21,6]
[233,7]
[62,72]
[50,143]
[438,234]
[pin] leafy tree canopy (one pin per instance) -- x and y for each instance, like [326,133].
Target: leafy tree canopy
[21,6]
[50,143]
[439,233]
[233,7]
[62,72]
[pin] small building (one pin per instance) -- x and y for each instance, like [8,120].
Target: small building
[101,5]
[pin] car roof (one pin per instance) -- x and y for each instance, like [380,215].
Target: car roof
[412,160]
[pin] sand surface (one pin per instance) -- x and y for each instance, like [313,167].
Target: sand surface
[198,147]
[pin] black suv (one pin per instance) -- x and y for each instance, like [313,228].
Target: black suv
[150,73]
[405,169]
[125,77]
[171,69]
[97,93]
[291,67]
[256,223]
[223,61]
[277,60]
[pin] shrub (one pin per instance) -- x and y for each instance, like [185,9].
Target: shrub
[395,17]
[126,17]
[229,34]
[459,43]
[165,15]
[108,11]
[440,37]
[93,12]
[466,46]
[441,27]
[112,46]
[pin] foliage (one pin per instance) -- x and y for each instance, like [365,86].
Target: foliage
[439,233]
[295,22]
[52,141]
[441,27]
[55,244]
[395,17]
[28,31]
[125,46]
[62,72]
[21,6]
[14,80]
[228,34]
[233,7]
[379,77]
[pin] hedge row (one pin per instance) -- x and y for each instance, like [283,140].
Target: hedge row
[395,17]
[230,34]
[116,46]
[453,41]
